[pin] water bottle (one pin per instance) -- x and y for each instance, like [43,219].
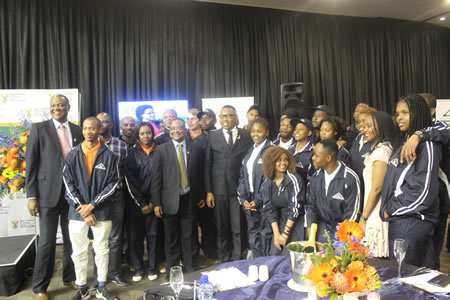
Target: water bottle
[206,290]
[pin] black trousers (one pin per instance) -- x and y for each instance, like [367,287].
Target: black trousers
[438,239]
[208,243]
[140,227]
[178,235]
[45,255]
[418,238]
[255,232]
[228,221]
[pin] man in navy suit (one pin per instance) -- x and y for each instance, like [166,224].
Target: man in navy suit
[47,147]
[224,153]
[176,190]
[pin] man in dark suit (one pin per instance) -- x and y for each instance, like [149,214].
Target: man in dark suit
[47,147]
[224,153]
[176,189]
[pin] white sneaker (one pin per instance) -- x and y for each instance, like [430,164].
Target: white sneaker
[250,254]
[137,277]
[152,276]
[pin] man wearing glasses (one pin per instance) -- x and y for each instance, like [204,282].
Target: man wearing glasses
[225,150]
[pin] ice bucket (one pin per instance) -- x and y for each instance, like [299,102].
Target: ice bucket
[301,262]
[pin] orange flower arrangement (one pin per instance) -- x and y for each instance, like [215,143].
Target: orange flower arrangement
[342,268]
[12,159]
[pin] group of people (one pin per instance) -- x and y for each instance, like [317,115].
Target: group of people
[249,196]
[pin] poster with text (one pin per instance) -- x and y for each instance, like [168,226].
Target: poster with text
[443,110]
[33,105]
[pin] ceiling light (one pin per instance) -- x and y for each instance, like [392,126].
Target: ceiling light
[442,18]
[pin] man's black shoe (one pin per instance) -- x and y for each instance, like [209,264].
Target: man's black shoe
[119,280]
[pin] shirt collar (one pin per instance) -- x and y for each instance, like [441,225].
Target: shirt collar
[234,130]
[175,143]
[260,145]
[332,175]
[56,123]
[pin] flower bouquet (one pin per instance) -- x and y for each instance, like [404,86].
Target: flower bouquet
[12,159]
[342,268]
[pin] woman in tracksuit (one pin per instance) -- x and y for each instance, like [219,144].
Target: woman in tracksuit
[333,128]
[250,180]
[142,222]
[303,148]
[410,193]
[360,149]
[283,197]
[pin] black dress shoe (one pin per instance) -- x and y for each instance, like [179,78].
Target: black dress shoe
[119,280]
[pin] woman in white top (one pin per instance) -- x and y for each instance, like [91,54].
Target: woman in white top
[379,128]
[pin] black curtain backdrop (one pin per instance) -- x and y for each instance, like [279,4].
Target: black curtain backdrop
[138,49]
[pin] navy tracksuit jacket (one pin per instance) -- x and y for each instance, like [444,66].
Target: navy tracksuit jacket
[140,226]
[410,198]
[281,204]
[357,157]
[303,160]
[440,134]
[341,202]
[103,183]
[255,224]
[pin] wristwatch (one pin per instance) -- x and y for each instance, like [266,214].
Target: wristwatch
[364,218]
[419,134]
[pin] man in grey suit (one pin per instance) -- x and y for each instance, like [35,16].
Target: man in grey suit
[48,144]
[176,190]
[225,150]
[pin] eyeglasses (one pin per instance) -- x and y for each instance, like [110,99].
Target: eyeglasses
[227,116]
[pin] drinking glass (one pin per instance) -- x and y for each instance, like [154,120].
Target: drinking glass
[176,280]
[399,252]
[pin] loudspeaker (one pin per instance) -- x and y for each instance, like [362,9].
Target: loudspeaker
[291,101]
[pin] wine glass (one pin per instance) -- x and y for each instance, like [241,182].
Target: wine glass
[176,280]
[399,252]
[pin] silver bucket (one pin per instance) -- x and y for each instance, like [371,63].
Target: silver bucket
[301,262]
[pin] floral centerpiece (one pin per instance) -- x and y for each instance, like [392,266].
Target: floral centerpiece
[12,158]
[342,268]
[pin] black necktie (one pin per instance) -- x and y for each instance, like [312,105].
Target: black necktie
[230,139]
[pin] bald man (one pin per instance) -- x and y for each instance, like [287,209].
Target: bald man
[164,136]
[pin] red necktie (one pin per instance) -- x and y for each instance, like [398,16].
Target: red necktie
[63,140]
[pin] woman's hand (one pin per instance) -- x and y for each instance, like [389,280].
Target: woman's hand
[276,240]
[282,239]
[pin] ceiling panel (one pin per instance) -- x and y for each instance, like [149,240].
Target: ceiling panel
[414,10]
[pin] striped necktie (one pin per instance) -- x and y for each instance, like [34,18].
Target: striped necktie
[63,140]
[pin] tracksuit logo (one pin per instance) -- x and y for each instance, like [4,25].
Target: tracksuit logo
[100,166]
[338,196]
[394,162]
[259,161]
[299,165]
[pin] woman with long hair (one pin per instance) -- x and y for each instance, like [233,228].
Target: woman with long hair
[410,192]
[380,130]
[283,197]
[334,128]
[141,221]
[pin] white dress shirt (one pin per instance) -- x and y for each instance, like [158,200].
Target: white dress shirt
[251,160]
[67,128]
[234,132]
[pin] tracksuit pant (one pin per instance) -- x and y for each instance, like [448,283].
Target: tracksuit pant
[418,238]
[78,232]
[140,227]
